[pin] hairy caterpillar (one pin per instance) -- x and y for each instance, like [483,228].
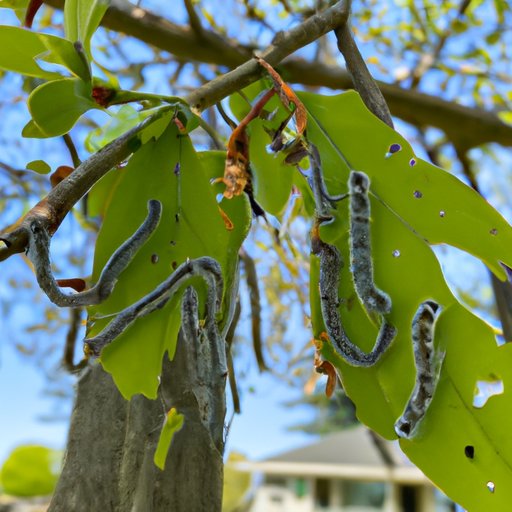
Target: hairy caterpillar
[39,255]
[205,267]
[330,266]
[372,298]
[427,370]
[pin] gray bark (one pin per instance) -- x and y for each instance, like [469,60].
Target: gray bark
[109,465]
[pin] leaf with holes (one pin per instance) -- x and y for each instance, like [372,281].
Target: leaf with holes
[414,204]
[167,169]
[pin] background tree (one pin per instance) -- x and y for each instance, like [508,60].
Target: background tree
[115,439]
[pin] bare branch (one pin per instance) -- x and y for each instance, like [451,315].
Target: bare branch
[251,278]
[364,83]
[193,18]
[467,127]
[52,209]
[284,44]
[69,347]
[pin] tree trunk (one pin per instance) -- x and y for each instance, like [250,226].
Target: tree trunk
[109,465]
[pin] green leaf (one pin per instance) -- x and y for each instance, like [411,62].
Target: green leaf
[56,106]
[30,470]
[191,226]
[405,266]
[39,166]
[26,48]
[447,211]
[120,122]
[82,18]
[173,423]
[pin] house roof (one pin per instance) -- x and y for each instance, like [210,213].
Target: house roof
[351,446]
[354,454]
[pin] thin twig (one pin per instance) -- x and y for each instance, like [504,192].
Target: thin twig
[73,153]
[69,347]
[193,19]
[285,44]
[230,336]
[52,209]
[364,83]
[254,294]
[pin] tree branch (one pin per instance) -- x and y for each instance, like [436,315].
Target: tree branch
[364,83]
[52,209]
[466,127]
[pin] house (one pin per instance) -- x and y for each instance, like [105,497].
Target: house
[350,471]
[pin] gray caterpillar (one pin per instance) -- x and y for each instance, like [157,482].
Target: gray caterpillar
[427,370]
[372,298]
[330,267]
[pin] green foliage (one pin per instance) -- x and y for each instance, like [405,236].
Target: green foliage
[56,106]
[27,48]
[39,166]
[167,169]
[415,204]
[82,18]
[30,470]
[236,484]
[173,423]
[403,224]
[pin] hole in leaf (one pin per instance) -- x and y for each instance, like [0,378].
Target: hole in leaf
[418,194]
[493,231]
[442,213]
[154,258]
[396,253]
[177,169]
[469,451]
[500,339]
[491,486]
[394,148]
[412,162]
[485,389]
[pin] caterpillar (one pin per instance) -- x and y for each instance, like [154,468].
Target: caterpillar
[39,255]
[427,370]
[330,267]
[372,298]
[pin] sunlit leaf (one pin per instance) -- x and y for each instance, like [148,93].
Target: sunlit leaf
[173,423]
[167,169]
[56,106]
[26,48]
[39,166]
[82,18]
[410,201]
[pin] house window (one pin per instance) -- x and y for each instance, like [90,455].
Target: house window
[369,495]
[322,493]
[277,481]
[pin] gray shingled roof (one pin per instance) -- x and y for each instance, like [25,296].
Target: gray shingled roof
[352,446]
